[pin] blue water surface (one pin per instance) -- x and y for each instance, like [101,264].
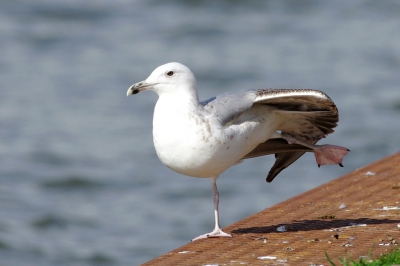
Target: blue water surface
[80,182]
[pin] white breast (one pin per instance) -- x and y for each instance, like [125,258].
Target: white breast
[196,145]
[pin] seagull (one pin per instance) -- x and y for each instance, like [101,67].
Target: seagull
[203,139]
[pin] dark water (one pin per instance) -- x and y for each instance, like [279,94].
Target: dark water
[80,183]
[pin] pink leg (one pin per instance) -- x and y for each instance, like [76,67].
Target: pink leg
[217,232]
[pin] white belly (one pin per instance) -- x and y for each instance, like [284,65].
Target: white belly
[197,146]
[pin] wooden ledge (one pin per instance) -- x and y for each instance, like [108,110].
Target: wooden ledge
[346,217]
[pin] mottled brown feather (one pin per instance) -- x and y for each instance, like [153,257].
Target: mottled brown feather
[317,115]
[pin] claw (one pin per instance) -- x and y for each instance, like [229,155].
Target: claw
[216,233]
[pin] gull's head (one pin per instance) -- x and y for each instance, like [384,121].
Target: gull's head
[166,78]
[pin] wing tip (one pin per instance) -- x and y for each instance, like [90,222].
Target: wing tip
[273,173]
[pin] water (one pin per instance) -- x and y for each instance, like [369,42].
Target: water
[80,183]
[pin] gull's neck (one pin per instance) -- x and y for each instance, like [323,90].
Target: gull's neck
[179,97]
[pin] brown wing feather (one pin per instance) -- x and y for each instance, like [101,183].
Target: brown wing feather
[285,99]
[274,146]
[310,116]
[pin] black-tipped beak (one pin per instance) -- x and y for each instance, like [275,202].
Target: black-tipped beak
[138,87]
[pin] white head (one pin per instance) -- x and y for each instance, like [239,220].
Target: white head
[171,77]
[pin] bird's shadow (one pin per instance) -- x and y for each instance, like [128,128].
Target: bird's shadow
[310,225]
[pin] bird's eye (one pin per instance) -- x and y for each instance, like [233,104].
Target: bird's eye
[170,73]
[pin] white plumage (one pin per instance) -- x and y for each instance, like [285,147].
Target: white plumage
[203,139]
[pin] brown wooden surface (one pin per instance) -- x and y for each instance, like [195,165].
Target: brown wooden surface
[364,224]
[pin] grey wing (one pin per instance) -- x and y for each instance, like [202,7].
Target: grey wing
[309,115]
[229,106]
